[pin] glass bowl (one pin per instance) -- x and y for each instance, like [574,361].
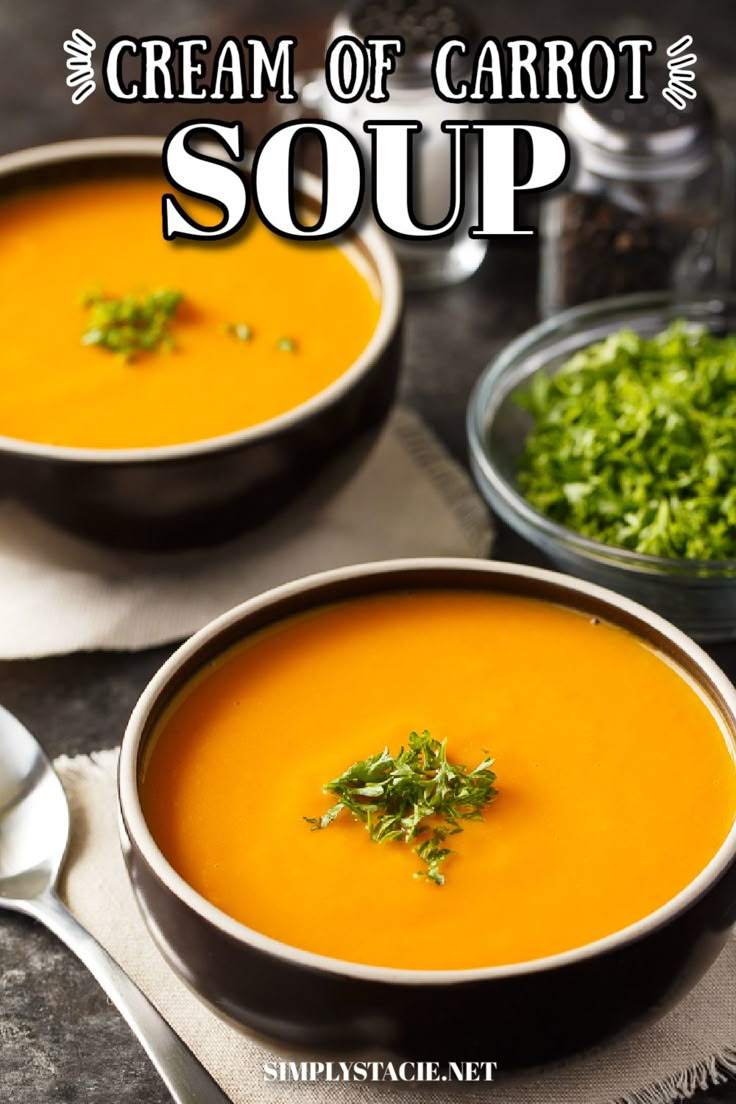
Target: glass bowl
[697,595]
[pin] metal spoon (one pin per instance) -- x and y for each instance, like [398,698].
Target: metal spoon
[34,831]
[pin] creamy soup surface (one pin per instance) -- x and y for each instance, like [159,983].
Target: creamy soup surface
[616,784]
[308,310]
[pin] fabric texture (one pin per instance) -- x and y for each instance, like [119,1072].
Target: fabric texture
[59,594]
[692,1047]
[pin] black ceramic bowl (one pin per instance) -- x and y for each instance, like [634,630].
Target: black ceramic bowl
[203,492]
[517,1015]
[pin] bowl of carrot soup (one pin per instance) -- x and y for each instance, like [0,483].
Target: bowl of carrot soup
[430,808]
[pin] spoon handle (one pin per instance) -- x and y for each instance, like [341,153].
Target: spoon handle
[184,1076]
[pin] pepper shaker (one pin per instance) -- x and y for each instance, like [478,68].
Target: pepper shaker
[648,206]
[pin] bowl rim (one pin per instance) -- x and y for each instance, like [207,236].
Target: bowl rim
[391,302]
[135,832]
[488,393]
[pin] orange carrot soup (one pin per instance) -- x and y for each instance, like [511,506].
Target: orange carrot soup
[615,781]
[222,335]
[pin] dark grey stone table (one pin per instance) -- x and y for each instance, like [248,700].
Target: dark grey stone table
[60,1040]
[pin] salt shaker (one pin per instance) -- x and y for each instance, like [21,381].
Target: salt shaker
[422,24]
[648,205]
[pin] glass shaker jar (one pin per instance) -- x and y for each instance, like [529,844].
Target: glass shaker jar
[648,205]
[422,24]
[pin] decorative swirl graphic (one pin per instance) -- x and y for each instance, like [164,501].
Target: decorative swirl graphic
[679,87]
[81,77]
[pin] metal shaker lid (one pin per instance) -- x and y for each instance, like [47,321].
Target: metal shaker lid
[421,23]
[643,137]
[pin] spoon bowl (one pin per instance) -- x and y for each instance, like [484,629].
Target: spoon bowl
[34,833]
[34,815]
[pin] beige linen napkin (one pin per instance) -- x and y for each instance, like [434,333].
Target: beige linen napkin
[660,1064]
[59,594]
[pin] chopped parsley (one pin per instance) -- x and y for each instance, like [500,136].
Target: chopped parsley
[417,795]
[634,443]
[131,324]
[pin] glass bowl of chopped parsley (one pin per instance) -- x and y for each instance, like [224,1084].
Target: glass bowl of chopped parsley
[606,436]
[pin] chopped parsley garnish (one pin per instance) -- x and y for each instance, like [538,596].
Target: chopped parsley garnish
[634,443]
[415,795]
[239,330]
[131,324]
